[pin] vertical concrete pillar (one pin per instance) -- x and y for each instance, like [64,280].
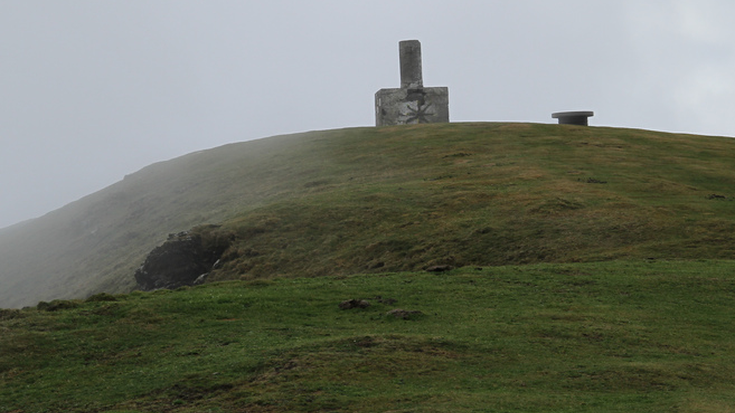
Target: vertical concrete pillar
[410,56]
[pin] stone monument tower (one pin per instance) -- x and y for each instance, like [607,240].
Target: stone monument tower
[412,103]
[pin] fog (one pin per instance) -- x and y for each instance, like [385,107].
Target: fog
[93,90]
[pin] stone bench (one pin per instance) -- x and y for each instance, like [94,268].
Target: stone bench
[573,118]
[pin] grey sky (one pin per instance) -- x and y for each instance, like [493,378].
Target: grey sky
[93,90]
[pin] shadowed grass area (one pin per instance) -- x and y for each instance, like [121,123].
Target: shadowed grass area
[596,337]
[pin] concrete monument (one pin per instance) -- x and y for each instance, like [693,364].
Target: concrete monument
[412,103]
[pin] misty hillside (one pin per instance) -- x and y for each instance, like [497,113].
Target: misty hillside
[387,199]
[95,244]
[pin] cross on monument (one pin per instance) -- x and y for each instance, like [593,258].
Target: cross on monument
[412,103]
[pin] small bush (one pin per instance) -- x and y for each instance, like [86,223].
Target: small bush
[101,297]
[57,305]
[9,314]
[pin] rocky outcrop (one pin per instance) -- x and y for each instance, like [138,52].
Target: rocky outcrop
[184,259]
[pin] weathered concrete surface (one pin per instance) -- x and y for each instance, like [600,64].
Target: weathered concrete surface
[573,118]
[411,106]
[410,59]
[411,103]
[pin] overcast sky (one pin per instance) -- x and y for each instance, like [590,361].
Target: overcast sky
[92,90]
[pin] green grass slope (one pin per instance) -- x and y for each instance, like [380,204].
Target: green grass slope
[393,199]
[95,244]
[408,198]
[651,336]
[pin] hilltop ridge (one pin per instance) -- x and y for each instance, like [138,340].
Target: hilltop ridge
[392,199]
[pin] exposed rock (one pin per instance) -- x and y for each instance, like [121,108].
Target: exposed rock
[182,260]
[716,196]
[200,279]
[403,314]
[350,304]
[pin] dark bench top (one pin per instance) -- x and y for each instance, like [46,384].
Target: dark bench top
[581,113]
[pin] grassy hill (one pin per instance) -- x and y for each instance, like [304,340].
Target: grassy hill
[389,199]
[651,336]
[403,199]
[593,273]
[96,243]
